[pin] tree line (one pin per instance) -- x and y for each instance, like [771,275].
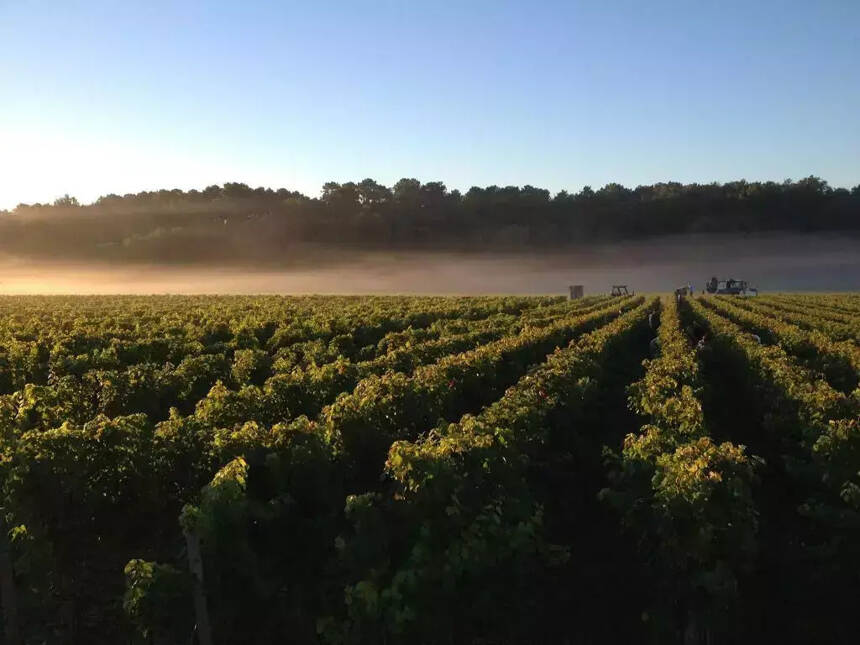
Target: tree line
[237,221]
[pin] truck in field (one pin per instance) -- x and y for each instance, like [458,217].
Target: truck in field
[730,287]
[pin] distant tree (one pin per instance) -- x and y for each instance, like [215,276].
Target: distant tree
[342,200]
[614,191]
[406,191]
[237,190]
[371,195]
[813,184]
[211,192]
[180,225]
[66,202]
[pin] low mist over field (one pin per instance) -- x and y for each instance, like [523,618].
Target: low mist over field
[772,262]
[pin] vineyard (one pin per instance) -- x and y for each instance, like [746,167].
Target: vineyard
[349,470]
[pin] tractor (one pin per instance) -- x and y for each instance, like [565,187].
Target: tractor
[730,287]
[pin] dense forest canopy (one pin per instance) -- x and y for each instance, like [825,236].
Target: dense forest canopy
[237,221]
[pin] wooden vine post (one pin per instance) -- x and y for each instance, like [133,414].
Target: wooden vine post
[189,522]
[12,635]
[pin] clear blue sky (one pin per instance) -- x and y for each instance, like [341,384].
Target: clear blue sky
[99,97]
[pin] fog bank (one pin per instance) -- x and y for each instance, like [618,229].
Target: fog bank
[772,262]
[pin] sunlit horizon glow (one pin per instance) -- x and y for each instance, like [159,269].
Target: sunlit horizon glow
[76,167]
[99,98]
[779,261]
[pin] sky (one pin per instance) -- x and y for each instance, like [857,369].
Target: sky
[117,97]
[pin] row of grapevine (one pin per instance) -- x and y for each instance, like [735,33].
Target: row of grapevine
[461,532]
[801,305]
[386,405]
[829,418]
[839,362]
[844,303]
[807,319]
[686,496]
[154,389]
[362,470]
[384,409]
[285,396]
[306,391]
[310,460]
[94,470]
[51,344]
[412,336]
[809,435]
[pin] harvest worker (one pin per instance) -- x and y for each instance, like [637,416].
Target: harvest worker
[713,284]
[698,334]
